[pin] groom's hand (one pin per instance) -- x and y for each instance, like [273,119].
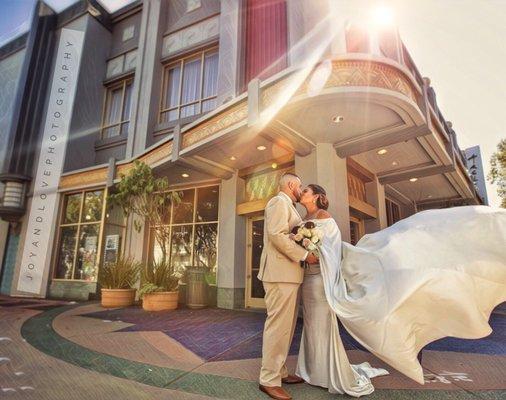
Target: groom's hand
[311,259]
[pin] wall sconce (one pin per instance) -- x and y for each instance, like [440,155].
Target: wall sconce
[13,189]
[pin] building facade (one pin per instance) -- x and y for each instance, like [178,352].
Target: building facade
[220,97]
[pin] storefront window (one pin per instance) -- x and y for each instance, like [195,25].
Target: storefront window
[79,236]
[193,229]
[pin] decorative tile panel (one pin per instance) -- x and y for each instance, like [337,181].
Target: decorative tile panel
[191,36]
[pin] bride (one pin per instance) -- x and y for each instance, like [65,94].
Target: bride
[437,273]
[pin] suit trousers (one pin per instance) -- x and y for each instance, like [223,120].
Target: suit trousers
[282,301]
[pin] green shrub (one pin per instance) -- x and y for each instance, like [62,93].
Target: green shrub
[122,274]
[158,276]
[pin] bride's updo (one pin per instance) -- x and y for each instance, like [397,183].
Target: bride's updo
[322,201]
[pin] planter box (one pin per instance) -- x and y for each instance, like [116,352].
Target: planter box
[112,298]
[160,301]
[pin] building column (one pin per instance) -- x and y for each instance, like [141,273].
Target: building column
[229,62]
[148,75]
[231,274]
[326,169]
[375,196]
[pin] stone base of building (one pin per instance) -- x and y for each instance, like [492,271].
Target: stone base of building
[231,298]
[71,290]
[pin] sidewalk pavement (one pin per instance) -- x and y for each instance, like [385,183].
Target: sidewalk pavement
[59,350]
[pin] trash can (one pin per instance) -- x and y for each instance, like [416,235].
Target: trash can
[196,287]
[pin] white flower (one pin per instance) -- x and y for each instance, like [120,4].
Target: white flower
[306,232]
[315,239]
[311,246]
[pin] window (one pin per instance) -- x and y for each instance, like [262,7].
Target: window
[190,86]
[117,109]
[393,212]
[193,229]
[79,236]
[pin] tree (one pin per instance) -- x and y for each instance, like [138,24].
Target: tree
[146,199]
[497,174]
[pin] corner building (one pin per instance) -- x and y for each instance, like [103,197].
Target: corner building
[221,97]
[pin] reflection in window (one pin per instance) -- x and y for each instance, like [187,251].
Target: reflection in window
[190,86]
[194,229]
[79,236]
[183,210]
[207,204]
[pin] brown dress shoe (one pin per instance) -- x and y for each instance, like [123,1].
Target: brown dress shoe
[276,392]
[292,379]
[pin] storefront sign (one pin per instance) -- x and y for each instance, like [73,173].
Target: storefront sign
[35,261]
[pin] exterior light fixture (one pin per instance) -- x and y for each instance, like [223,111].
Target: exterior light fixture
[274,165]
[13,189]
[261,148]
[413,179]
[337,118]
[382,151]
[233,158]
[395,163]
[185,175]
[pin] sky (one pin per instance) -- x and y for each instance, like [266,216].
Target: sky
[458,44]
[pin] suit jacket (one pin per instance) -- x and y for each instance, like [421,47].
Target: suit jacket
[280,257]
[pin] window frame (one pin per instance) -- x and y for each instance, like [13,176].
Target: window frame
[193,224]
[181,61]
[61,217]
[109,88]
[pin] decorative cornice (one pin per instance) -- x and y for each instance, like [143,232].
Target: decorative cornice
[217,123]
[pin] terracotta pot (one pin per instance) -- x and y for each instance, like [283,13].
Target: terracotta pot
[160,301]
[118,297]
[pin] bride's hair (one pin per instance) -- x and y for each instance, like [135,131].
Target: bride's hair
[322,201]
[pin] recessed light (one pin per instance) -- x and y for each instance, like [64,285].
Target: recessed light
[88,217]
[261,148]
[395,163]
[233,158]
[429,196]
[413,179]
[382,151]
[337,118]
[185,175]
[274,165]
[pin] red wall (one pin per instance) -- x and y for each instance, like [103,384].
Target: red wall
[266,38]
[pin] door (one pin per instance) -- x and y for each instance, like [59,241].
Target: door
[255,242]
[357,229]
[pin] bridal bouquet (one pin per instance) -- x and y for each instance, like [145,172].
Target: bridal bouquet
[308,236]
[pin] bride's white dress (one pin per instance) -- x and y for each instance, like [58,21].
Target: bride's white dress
[437,273]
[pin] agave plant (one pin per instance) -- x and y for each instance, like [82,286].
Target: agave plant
[122,274]
[158,276]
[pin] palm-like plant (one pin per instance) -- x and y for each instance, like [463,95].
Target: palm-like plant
[158,276]
[122,274]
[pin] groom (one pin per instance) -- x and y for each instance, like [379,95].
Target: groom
[281,274]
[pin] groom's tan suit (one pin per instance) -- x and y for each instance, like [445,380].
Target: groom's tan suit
[282,275]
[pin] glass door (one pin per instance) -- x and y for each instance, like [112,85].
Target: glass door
[255,242]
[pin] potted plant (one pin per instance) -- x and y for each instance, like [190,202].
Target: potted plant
[159,286]
[117,280]
[147,199]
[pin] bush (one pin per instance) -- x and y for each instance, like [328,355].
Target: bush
[122,274]
[158,276]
